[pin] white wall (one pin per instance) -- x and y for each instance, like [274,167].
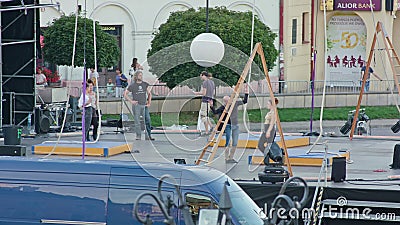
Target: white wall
[141,18]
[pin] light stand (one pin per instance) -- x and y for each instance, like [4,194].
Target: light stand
[362,122]
[396,127]
[207,16]
[273,172]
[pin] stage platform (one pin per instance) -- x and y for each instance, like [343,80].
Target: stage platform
[299,157]
[101,148]
[247,140]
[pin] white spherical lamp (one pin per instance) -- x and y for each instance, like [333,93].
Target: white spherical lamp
[207,49]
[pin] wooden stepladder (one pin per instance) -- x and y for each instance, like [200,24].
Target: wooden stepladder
[216,136]
[394,64]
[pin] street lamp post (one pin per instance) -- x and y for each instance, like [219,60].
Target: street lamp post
[206,16]
[207,49]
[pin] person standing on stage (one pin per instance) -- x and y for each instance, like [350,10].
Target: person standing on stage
[141,101]
[269,132]
[232,128]
[207,93]
[87,105]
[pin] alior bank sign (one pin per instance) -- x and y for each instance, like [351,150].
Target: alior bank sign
[351,5]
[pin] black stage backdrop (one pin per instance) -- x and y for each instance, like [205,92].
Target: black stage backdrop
[18,60]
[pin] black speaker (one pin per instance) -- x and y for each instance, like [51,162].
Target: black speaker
[12,150]
[42,121]
[338,169]
[396,157]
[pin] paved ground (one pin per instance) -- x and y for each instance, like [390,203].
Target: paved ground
[370,157]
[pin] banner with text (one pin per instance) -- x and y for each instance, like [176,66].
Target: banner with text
[347,37]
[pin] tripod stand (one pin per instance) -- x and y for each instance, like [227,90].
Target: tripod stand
[125,118]
[120,125]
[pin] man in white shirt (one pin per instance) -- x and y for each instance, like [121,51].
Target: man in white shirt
[87,105]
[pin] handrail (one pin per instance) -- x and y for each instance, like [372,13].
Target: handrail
[279,87]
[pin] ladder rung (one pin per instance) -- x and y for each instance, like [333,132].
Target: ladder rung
[209,151]
[212,141]
[203,160]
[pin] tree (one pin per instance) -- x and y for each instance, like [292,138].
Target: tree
[59,42]
[234,28]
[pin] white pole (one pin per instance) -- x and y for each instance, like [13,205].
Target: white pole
[252,36]
[249,79]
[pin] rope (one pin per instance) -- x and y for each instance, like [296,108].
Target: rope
[318,205]
[84,89]
[249,78]
[97,84]
[324,88]
[68,85]
[319,187]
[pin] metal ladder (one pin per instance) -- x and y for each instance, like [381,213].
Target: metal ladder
[394,64]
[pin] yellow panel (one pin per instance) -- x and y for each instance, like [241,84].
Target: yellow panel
[119,149]
[298,142]
[62,150]
[77,151]
[259,160]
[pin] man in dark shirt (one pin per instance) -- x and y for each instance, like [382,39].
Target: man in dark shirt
[207,93]
[232,128]
[371,71]
[141,100]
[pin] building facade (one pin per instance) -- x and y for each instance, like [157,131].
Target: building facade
[349,27]
[135,21]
